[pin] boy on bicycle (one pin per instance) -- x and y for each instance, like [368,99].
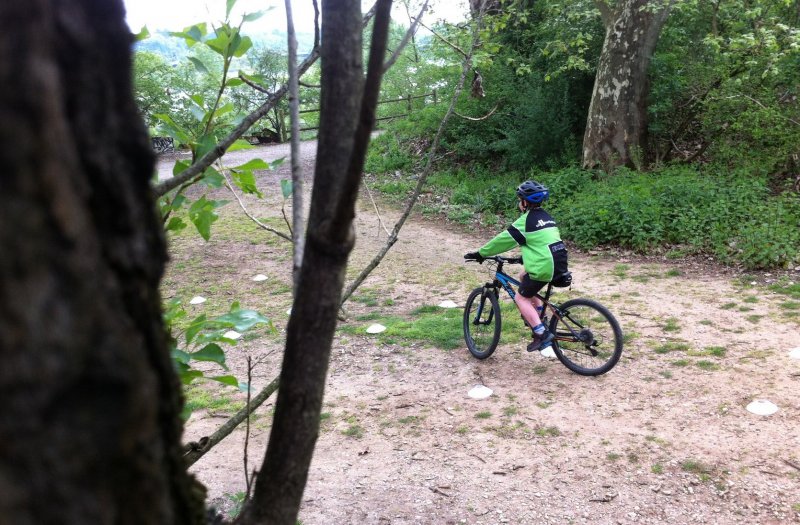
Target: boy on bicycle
[544,256]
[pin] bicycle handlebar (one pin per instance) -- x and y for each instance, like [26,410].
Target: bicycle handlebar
[498,259]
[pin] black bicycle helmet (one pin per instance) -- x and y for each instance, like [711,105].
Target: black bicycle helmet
[533,192]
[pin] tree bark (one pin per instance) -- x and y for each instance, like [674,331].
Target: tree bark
[90,429]
[616,128]
[347,115]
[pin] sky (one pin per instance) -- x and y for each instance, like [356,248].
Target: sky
[177,14]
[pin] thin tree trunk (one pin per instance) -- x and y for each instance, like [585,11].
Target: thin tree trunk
[346,121]
[298,222]
[616,128]
[90,429]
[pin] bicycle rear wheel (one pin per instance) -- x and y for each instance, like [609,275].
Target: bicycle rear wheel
[588,339]
[482,322]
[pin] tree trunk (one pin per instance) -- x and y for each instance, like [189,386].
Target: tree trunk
[616,129]
[89,431]
[347,115]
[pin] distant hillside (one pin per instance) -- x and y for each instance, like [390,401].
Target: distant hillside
[174,49]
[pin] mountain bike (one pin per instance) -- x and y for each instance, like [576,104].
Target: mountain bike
[588,338]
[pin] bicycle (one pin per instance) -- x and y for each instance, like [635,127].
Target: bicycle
[588,338]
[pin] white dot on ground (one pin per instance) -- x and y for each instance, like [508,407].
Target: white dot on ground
[794,353]
[548,352]
[762,407]
[375,328]
[197,300]
[479,392]
[232,334]
[260,277]
[448,304]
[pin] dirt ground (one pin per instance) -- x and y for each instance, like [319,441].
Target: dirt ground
[664,437]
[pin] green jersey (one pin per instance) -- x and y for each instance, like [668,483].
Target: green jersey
[544,255]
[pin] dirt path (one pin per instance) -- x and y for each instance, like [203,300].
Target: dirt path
[664,437]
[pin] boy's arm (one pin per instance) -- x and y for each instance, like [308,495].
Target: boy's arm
[505,240]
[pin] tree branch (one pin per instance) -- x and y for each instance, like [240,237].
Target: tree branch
[196,450]
[476,119]
[297,228]
[246,212]
[446,41]
[404,42]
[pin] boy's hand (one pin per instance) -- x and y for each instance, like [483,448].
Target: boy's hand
[473,256]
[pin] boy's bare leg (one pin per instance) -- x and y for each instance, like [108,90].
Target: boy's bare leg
[527,309]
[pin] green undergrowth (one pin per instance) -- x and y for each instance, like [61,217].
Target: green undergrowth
[676,210]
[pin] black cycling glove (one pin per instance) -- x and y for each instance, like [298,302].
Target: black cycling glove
[473,256]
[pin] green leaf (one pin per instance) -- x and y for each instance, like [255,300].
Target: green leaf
[234,82]
[251,17]
[276,163]
[242,320]
[198,65]
[176,224]
[205,144]
[172,129]
[242,46]
[254,164]
[286,188]
[228,7]
[219,44]
[246,181]
[212,178]
[240,145]
[198,324]
[189,374]
[180,356]
[143,34]
[180,167]
[211,352]
[203,220]
[226,380]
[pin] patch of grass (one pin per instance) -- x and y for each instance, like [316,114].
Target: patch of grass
[323,416]
[702,470]
[786,287]
[707,365]
[751,299]
[408,420]
[620,270]
[510,411]
[755,319]
[716,351]
[237,501]
[671,346]
[706,322]
[790,305]
[681,362]
[354,431]
[544,404]
[671,325]
[463,429]
[483,415]
[745,309]
[199,397]
[613,456]
[657,469]
[728,306]
[666,374]
[548,431]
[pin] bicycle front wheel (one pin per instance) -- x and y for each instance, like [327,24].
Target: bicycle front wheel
[482,322]
[588,339]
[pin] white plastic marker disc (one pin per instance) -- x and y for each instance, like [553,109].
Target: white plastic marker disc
[197,300]
[762,407]
[795,353]
[289,311]
[375,328]
[448,304]
[479,392]
[260,277]
[548,352]
[231,334]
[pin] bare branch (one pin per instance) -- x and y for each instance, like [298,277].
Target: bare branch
[246,212]
[404,42]
[478,118]
[254,85]
[315,86]
[374,205]
[198,449]
[446,41]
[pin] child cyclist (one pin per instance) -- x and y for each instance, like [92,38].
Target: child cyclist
[544,256]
